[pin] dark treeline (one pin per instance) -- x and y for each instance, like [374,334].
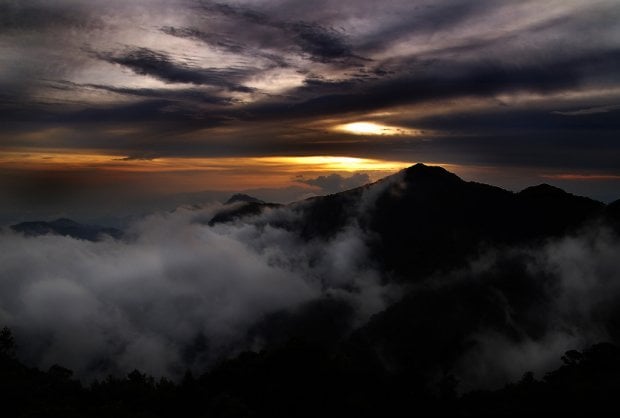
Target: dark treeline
[298,379]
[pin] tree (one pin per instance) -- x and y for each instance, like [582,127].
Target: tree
[7,343]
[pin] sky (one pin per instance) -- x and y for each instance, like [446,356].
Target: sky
[137,103]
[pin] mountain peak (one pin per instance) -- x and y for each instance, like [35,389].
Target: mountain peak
[64,222]
[422,171]
[241,197]
[66,227]
[541,190]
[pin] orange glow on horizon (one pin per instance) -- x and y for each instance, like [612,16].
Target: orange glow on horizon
[188,174]
[51,160]
[333,163]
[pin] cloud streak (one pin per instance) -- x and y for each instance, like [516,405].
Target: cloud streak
[144,61]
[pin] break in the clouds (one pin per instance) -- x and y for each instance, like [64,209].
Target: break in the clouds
[205,75]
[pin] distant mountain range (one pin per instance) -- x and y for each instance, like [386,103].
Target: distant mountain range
[66,227]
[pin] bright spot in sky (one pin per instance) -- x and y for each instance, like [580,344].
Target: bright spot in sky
[332,163]
[371,128]
[280,164]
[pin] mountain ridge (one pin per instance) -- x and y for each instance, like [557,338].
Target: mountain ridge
[427,201]
[66,227]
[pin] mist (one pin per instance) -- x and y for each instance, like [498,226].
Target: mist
[564,297]
[173,286]
[177,294]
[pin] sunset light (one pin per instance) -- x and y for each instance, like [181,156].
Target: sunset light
[283,208]
[371,128]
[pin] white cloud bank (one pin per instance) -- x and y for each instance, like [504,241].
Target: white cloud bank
[114,305]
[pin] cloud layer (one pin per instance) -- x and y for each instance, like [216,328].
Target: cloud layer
[480,82]
[177,294]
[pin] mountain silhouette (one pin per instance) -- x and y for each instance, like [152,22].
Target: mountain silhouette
[425,219]
[423,222]
[240,206]
[66,227]
[241,197]
[612,215]
[424,226]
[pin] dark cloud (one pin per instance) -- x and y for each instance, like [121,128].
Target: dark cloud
[450,80]
[319,43]
[588,111]
[250,78]
[225,43]
[514,120]
[187,95]
[40,15]
[158,111]
[144,61]
[428,19]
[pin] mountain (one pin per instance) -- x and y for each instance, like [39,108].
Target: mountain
[489,282]
[612,215]
[425,219]
[66,227]
[424,224]
[240,206]
[241,197]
